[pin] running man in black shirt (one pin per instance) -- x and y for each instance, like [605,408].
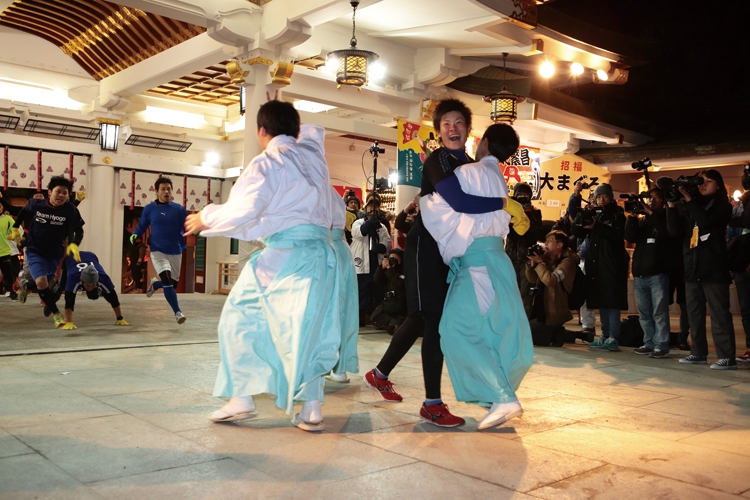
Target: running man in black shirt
[52,221]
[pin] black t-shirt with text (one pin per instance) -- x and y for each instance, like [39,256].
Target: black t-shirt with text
[49,227]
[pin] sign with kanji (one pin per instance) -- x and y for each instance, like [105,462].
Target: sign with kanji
[523,166]
[557,178]
[415,143]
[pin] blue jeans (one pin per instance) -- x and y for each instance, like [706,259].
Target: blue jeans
[652,301]
[742,282]
[610,319]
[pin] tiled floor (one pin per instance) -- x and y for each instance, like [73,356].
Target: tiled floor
[130,422]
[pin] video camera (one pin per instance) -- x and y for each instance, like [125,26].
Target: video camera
[641,164]
[633,203]
[588,215]
[670,188]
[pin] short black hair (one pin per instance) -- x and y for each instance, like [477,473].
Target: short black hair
[162,180]
[446,106]
[60,180]
[502,141]
[279,118]
[560,237]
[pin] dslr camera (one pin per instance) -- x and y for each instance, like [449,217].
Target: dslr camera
[393,262]
[535,249]
[670,188]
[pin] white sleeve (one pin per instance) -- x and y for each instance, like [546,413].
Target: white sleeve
[357,228]
[250,196]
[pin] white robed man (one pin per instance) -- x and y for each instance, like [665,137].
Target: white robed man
[279,331]
[484,331]
[348,298]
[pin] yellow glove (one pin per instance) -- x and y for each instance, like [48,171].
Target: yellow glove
[518,217]
[73,250]
[69,326]
[81,195]
[15,235]
[122,322]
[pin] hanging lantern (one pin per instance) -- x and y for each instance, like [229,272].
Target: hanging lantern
[109,129]
[352,64]
[504,106]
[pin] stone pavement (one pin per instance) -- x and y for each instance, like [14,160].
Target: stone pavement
[124,415]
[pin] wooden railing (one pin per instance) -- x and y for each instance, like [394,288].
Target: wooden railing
[228,272]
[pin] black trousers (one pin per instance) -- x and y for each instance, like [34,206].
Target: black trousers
[9,273]
[716,295]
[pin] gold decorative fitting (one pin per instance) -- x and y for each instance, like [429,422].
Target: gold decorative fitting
[106,160]
[234,70]
[524,14]
[428,108]
[259,60]
[111,121]
[282,74]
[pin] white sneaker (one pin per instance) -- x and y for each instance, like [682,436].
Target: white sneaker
[240,408]
[499,414]
[150,290]
[341,379]
[310,418]
[180,317]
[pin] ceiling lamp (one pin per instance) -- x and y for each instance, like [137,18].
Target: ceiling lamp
[602,75]
[351,64]
[547,69]
[504,103]
[109,130]
[576,68]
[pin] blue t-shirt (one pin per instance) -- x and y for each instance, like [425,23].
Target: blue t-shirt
[49,227]
[167,221]
[74,269]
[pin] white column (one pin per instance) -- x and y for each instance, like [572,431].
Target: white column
[102,233]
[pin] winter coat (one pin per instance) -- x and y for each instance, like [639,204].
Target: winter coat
[606,261]
[516,245]
[708,260]
[652,243]
[370,242]
[556,310]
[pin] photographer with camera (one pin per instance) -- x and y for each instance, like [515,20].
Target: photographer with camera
[390,274]
[702,221]
[738,250]
[650,271]
[370,243]
[516,245]
[551,269]
[606,263]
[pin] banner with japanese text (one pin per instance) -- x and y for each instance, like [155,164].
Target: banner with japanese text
[557,178]
[415,143]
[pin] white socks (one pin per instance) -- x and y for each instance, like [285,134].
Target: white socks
[239,408]
[311,412]
[500,413]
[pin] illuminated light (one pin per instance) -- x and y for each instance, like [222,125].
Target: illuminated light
[576,68]
[351,65]
[377,71]
[175,118]
[213,158]
[736,195]
[332,64]
[36,94]
[392,177]
[109,130]
[234,127]
[311,107]
[547,69]
[602,75]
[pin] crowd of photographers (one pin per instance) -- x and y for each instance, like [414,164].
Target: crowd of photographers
[690,244]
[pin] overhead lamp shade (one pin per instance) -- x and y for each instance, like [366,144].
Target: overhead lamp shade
[243,97]
[504,106]
[109,131]
[352,67]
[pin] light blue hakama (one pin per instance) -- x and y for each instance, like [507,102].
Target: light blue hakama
[487,355]
[348,299]
[283,339]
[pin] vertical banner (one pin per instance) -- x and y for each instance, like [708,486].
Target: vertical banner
[125,192]
[38,171]
[559,175]
[415,143]
[184,192]
[5,168]
[208,191]
[196,194]
[144,191]
[524,166]
[132,189]
[70,167]
[22,169]
[80,172]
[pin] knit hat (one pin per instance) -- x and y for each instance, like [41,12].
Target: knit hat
[604,189]
[353,198]
[90,274]
[522,188]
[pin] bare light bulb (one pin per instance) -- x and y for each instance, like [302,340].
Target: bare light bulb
[737,195]
[576,68]
[602,75]
[547,69]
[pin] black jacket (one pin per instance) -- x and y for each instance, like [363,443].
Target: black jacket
[516,245]
[651,238]
[606,261]
[393,280]
[708,260]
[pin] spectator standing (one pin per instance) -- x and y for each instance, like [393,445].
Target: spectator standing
[370,243]
[739,235]
[606,264]
[651,279]
[553,274]
[702,223]
[6,265]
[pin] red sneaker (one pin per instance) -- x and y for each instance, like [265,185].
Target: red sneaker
[383,386]
[439,415]
[745,358]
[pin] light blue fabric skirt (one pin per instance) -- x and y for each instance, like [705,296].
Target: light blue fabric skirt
[349,301]
[487,356]
[283,339]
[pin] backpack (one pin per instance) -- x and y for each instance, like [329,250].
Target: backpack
[577,295]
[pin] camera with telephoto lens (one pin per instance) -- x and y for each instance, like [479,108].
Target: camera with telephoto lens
[641,164]
[392,262]
[535,249]
[670,188]
[633,203]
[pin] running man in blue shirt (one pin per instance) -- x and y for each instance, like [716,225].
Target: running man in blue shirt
[167,221]
[88,275]
[51,222]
